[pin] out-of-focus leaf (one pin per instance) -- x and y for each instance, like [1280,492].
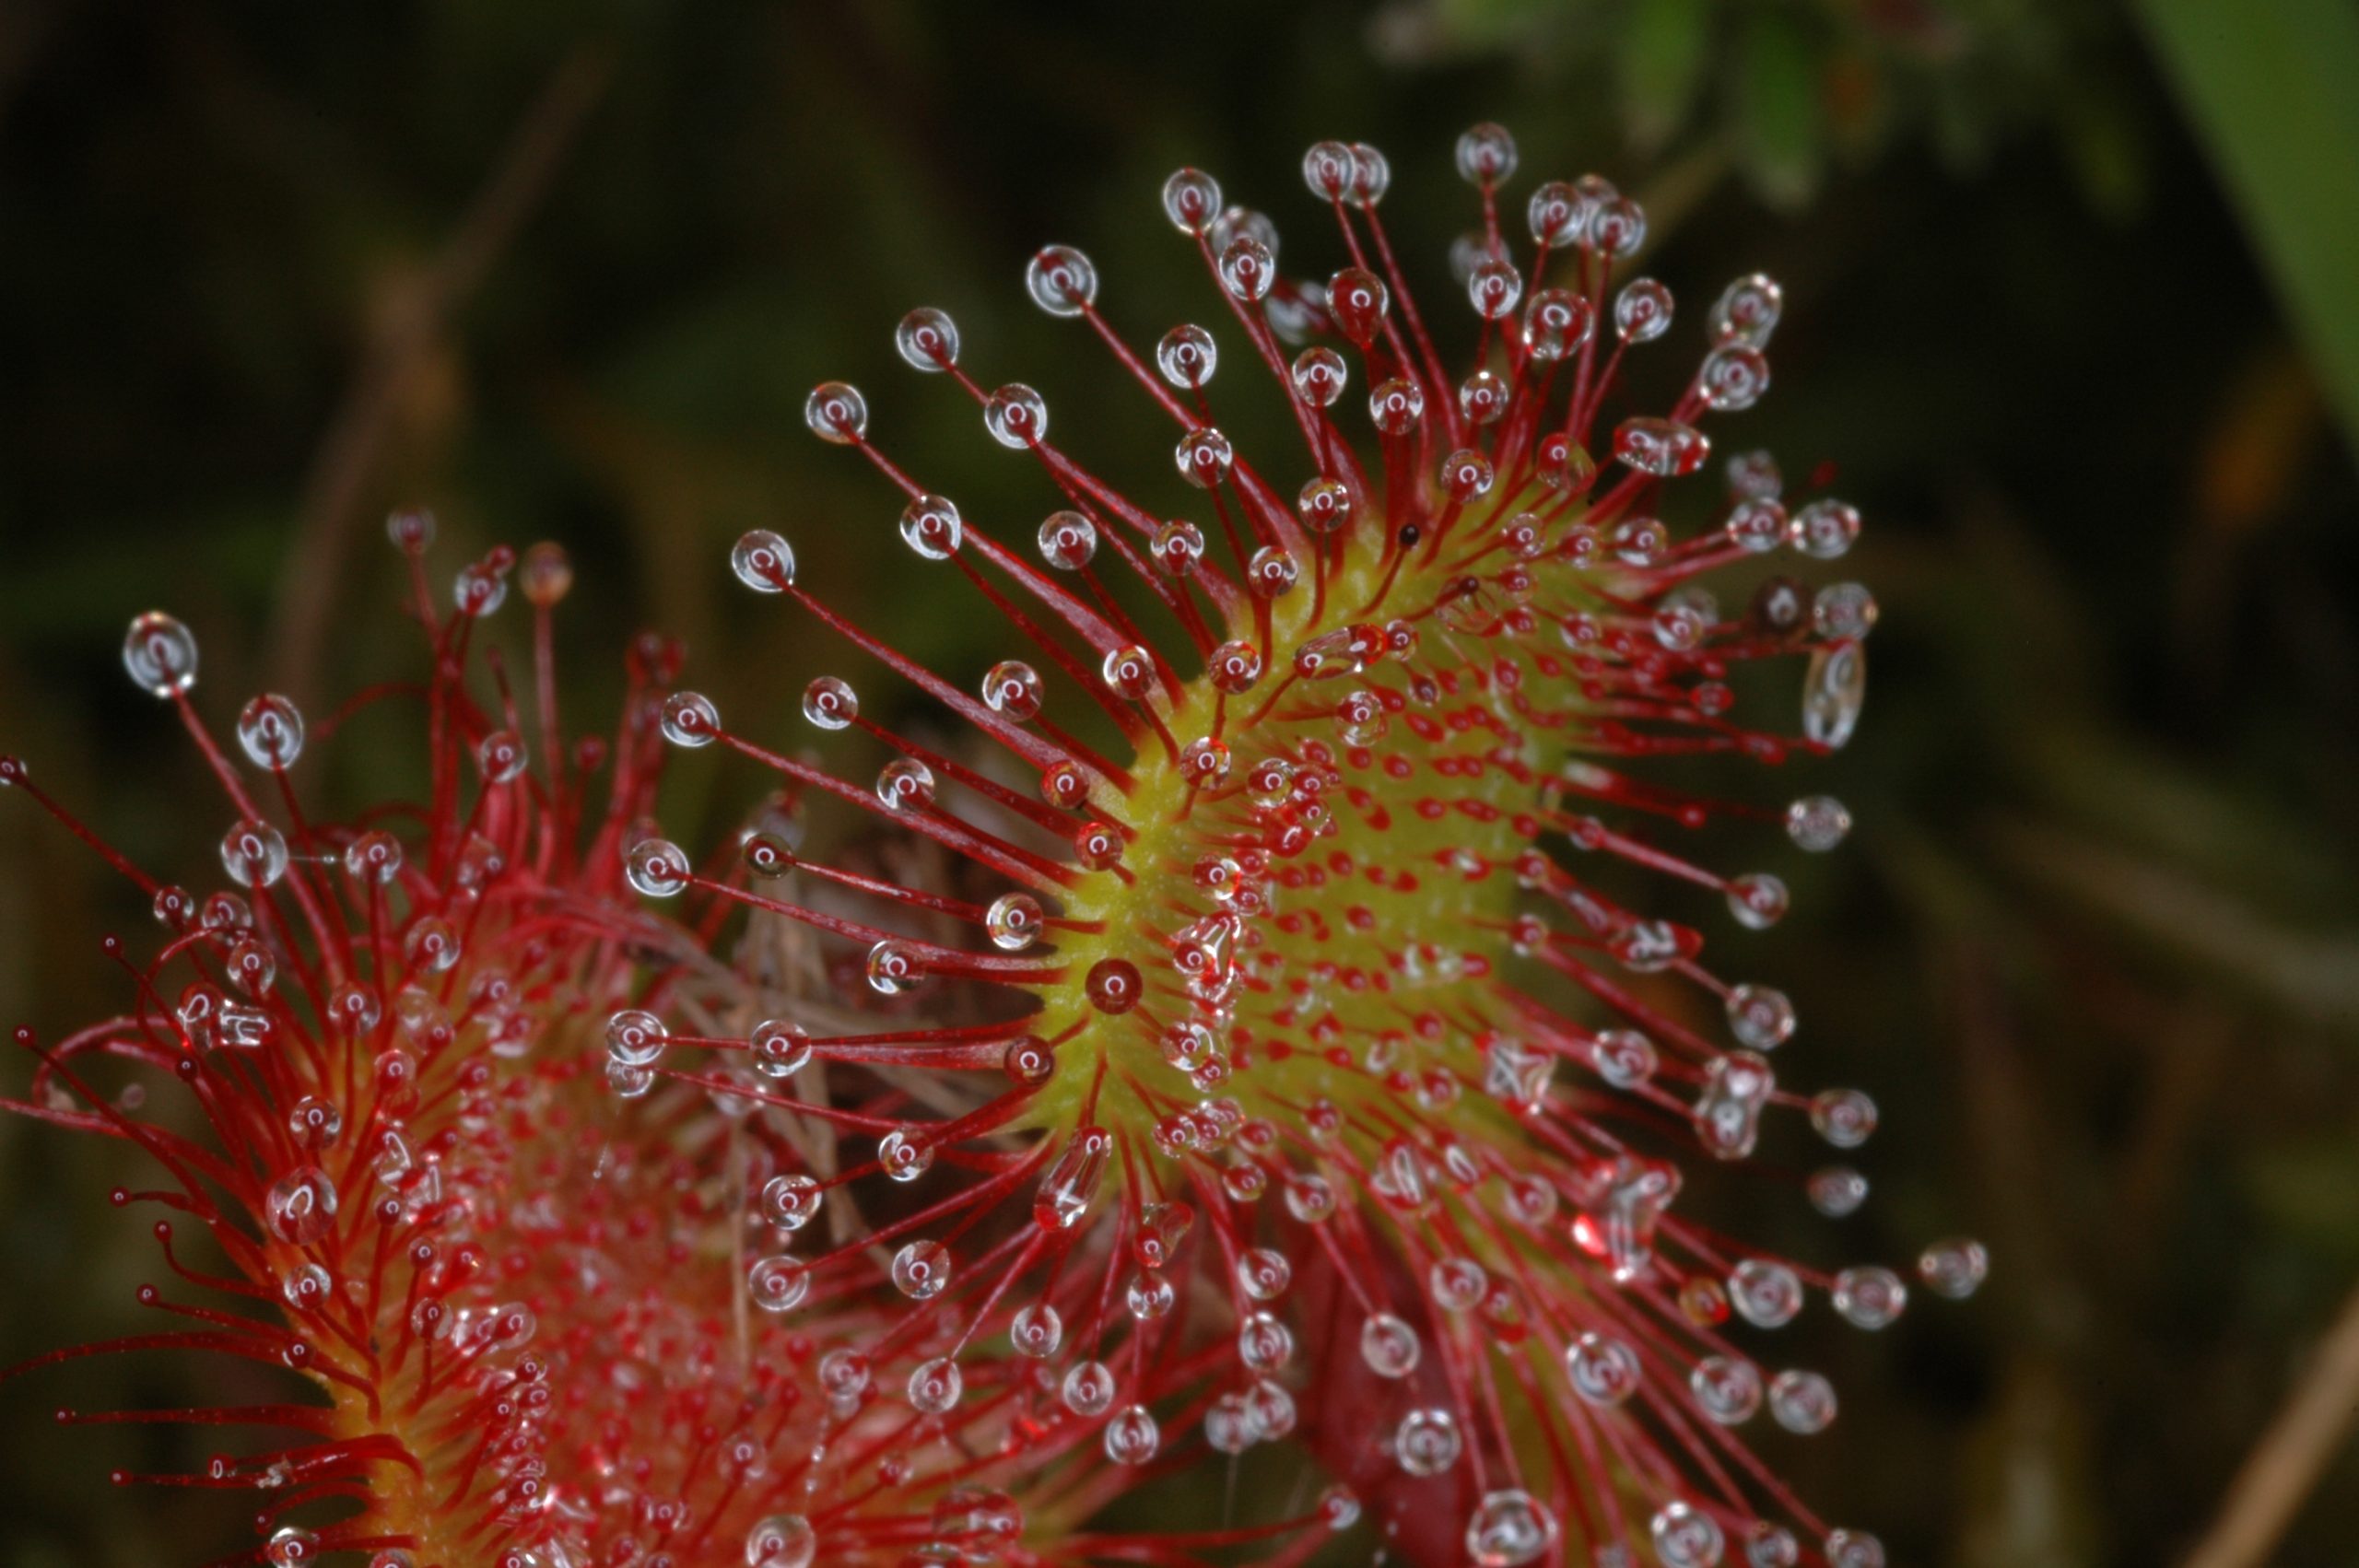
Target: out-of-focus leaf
[1662,59]
[1778,71]
[2274,90]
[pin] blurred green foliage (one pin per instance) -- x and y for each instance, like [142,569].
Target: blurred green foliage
[2275,92]
[262,277]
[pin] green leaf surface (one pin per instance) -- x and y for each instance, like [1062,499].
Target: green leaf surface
[2272,88]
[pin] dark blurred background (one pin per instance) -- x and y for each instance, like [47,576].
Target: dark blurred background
[2073,300]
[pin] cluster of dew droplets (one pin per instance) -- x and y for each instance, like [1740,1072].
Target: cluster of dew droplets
[357,987]
[1639,1333]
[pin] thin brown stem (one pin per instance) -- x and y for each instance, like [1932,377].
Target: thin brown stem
[2304,1437]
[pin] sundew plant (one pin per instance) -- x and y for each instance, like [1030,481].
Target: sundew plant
[1224,1033]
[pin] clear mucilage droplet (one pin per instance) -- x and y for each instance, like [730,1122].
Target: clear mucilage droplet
[1623,1058]
[500,758]
[1870,1297]
[930,524]
[1487,156]
[894,966]
[254,854]
[1747,310]
[927,339]
[1604,1371]
[1955,1269]
[1071,1185]
[636,1037]
[1508,1529]
[1662,448]
[778,1283]
[1727,1389]
[1554,213]
[1770,1546]
[1068,540]
[1761,1017]
[936,1385]
[1036,1330]
[835,413]
[1758,900]
[782,1540]
[1014,921]
[1686,1537]
[1191,200]
[905,1154]
[1329,169]
[1556,324]
[1248,270]
[905,784]
[1852,1549]
[763,561]
[1013,690]
[1727,1117]
[1844,1118]
[270,731]
[1494,288]
[159,654]
[829,703]
[373,857]
[1319,377]
[657,868]
[922,1269]
[1765,1293]
[1016,417]
[791,1201]
[1817,822]
[1843,612]
[1088,1389]
[1428,1442]
[1824,530]
[779,1048]
[1836,1191]
[1061,281]
[1133,1437]
[1187,355]
[1388,1345]
[1264,1344]
[689,720]
[299,1208]
[1228,1425]
[1802,1402]
[1642,311]
[1834,688]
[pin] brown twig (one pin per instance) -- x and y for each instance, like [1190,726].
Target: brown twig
[2286,1463]
[400,344]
